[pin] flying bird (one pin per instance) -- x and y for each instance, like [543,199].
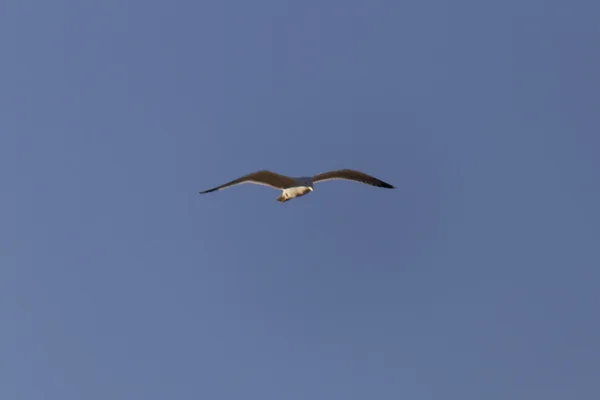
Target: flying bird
[296,187]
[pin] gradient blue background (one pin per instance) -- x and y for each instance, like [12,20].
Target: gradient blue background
[476,279]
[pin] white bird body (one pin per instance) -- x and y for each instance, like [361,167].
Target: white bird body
[296,187]
[296,191]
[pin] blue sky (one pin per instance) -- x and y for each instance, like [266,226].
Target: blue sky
[476,278]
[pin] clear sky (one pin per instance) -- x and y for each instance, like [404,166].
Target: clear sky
[477,278]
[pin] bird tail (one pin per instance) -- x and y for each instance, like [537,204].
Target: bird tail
[283,198]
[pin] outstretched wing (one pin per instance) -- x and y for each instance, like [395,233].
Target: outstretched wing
[263,177]
[351,175]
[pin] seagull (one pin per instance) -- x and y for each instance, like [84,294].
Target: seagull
[295,187]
